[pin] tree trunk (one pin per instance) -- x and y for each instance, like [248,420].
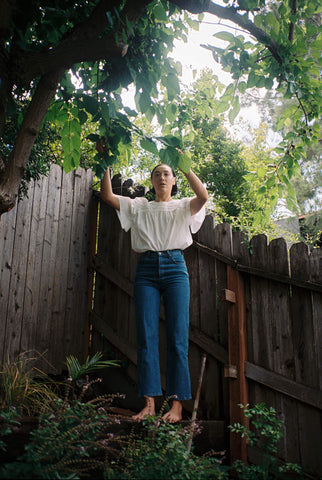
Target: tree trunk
[13,173]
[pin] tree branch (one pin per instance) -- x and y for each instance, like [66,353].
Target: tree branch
[37,109]
[86,42]
[35,64]
[231,13]
[6,10]
[292,26]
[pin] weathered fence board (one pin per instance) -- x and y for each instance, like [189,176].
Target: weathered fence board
[306,347]
[35,256]
[282,344]
[283,305]
[17,281]
[43,269]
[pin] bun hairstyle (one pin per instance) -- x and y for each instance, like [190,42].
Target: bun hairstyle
[174,190]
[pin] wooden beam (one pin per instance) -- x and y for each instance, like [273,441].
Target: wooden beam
[238,393]
[284,385]
[314,286]
[127,350]
[102,326]
[207,344]
[113,275]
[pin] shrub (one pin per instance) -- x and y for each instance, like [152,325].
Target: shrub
[65,444]
[160,452]
[71,436]
[264,433]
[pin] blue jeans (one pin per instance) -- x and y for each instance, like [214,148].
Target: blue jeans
[162,274]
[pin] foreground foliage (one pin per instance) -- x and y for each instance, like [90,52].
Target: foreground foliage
[264,433]
[160,452]
[25,388]
[76,437]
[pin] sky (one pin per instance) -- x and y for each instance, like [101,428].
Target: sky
[194,57]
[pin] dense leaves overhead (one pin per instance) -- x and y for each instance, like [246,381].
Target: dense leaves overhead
[68,62]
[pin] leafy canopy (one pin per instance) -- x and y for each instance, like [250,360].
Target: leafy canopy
[107,45]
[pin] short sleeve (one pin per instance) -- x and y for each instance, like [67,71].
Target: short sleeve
[125,213]
[197,220]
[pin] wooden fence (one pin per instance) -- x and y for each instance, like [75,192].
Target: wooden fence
[256,310]
[43,269]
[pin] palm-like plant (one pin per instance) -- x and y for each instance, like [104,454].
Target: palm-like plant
[76,370]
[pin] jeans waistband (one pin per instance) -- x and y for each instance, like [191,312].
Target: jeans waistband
[161,252]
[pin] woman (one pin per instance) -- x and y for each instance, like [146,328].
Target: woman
[160,230]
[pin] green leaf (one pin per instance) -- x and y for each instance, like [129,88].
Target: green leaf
[227,36]
[221,107]
[93,137]
[272,21]
[185,162]
[149,145]
[82,117]
[287,122]
[172,85]
[194,24]
[170,156]
[291,204]
[129,26]
[130,112]
[143,101]
[76,370]
[171,141]
[235,110]
[317,44]
[105,111]
[242,87]
[251,82]
[110,18]
[270,182]
[71,161]
[62,115]
[160,13]
[171,112]
[91,104]
[150,113]
[54,109]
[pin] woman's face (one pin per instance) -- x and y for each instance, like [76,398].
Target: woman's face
[163,179]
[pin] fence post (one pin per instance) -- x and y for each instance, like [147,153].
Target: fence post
[93,212]
[235,371]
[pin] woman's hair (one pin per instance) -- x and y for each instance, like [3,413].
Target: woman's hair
[174,190]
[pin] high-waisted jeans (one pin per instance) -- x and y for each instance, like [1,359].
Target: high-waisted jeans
[162,274]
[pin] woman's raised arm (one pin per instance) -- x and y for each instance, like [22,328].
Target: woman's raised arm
[107,194]
[201,197]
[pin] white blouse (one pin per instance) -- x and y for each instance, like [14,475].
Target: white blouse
[159,226]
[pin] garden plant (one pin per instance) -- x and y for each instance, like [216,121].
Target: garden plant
[75,436]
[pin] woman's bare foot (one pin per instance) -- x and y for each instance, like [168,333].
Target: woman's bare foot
[148,410]
[175,413]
